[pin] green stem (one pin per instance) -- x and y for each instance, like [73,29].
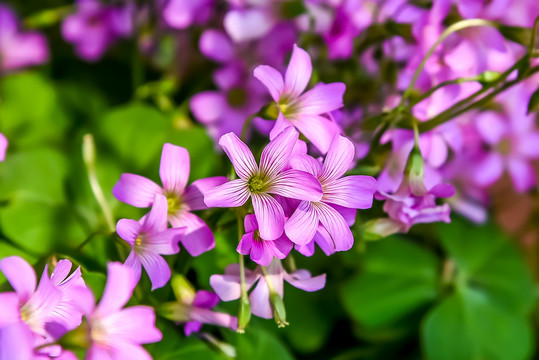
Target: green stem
[246,125]
[245,308]
[88,154]
[450,30]
[531,47]
[432,90]
[48,17]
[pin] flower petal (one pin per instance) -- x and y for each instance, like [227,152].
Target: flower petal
[227,286]
[354,191]
[250,223]
[303,280]
[275,156]
[135,324]
[133,262]
[231,194]
[522,174]
[323,98]
[296,184]
[128,229]
[118,289]
[3,146]
[303,224]
[269,215]
[239,154]
[306,163]
[491,126]
[208,106]
[215,45]
[135,190]
[281,124]
[246,244]
[174,168]
[156,220]
[193,196]
[259,298]
[206,316]
[156,267]
[198,237]
[318,129]
[298,72]
[10,314]
[272,80]
[16,342]
[488,169]
[338,159]
[205,299]
[336,226]
[261,253]
[20,275]
[165,242]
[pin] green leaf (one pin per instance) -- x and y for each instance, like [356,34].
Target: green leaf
[467,325]
[37,173]
[38,226]
[260,344]
[486,260]
[7,249]
[398,277]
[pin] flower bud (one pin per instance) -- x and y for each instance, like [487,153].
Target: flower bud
[279,311]
[244,315]
[414,172]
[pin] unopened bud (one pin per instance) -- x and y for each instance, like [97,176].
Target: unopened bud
[183,290]
[279,311]
[414,172]
[377,229]
[244,315]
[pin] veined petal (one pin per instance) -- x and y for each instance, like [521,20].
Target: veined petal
[231,194]
[259,298]
[269,215]
[165,242]
[354,191]
[128,229]
[156,220]
[215,318]
[323,98]
[193,196]
[46,298]
[135,190]
[296,184]
[306,163]
[336,226]
[156,267]
[338,159]
[318,129]
[324,241]
[275,156]
[272,80]
[303,224]
[227,286]
[135,324]
[198,237]
[282,247]
[246,244]
[118,289]
[281,124]
[250,223]
[239,154]
[298,72]
[9,304]
[260,252]
[20,275]
[133,262]
[303,280]
[174,168]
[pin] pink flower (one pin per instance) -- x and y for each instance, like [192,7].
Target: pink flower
[139,191]
[302,111]
[258,182]
[114,332]
[31,317]
[19,49]
[262,251]
[3,146]
[181,14]
[227,286]
[149,238]
[200,313]
[352,192]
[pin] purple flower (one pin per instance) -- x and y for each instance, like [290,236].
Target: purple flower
[513,142]
[262,251]
[408,206]
[303,111]
[31,317]
[352,192]
[139,191]
[114,332]
[258,182]
[227,286]
[3,146]
[95,27]
[180,14]
[19,49]
[244,25]
[149,238]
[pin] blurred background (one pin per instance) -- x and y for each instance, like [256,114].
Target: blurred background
[443,291]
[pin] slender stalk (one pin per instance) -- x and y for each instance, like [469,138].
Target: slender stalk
[246,125]
[245,306]
[433,89]
[88,154]
[450,30]
[531,47]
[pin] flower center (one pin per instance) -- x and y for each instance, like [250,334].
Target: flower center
[174,203]
[25,314]
[287,107]
[504,147]
[256,184]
